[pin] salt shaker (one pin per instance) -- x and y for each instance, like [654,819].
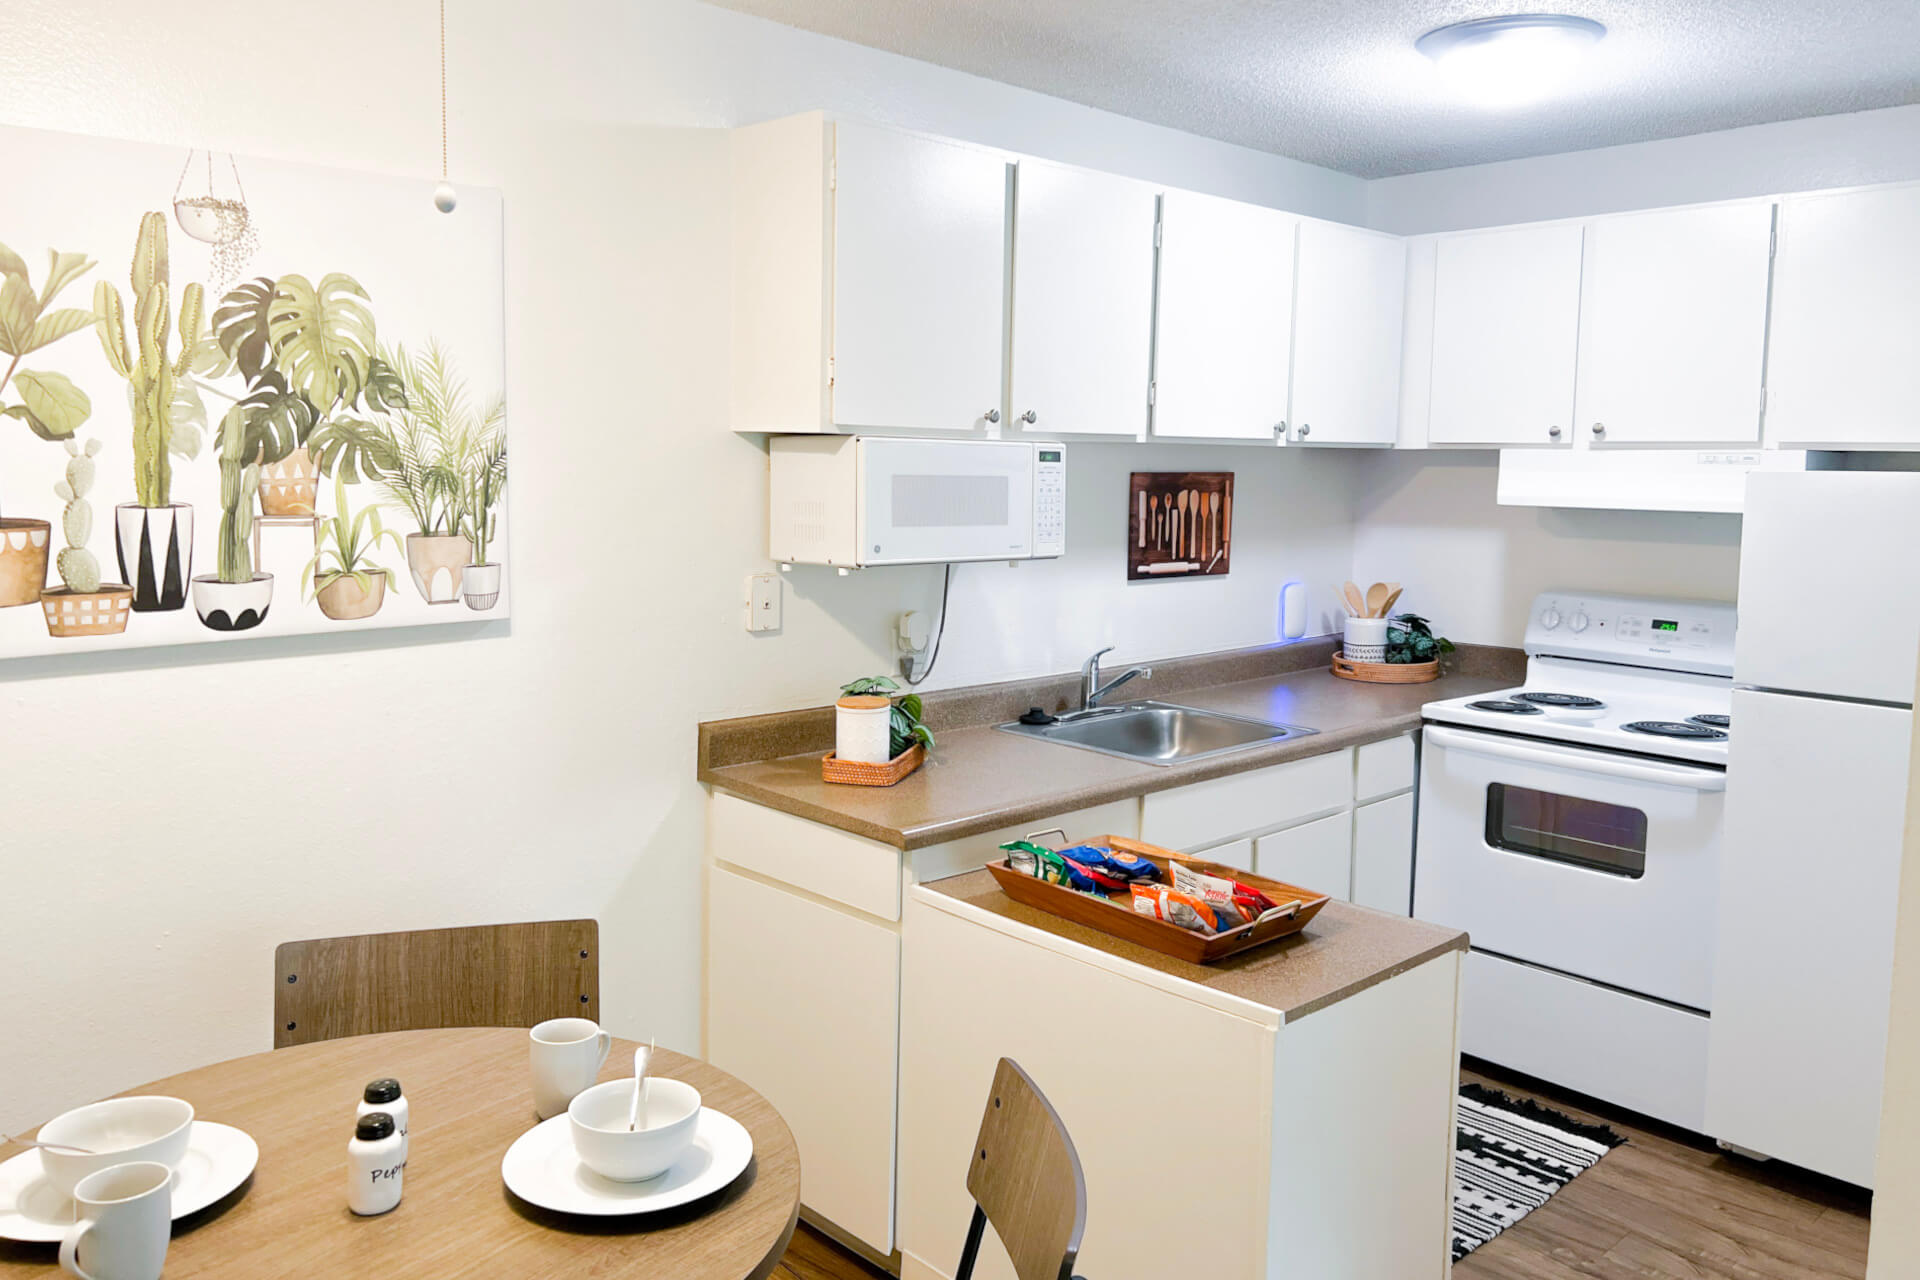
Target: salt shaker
[376,1163]
[384,1095]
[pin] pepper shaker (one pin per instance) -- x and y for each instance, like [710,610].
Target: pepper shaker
[376,1165]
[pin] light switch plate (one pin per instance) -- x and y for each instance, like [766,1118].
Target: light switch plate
[763,602]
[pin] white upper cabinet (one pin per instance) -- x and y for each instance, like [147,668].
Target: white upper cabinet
[1082,301]
[869,279]
[1225,319]
[1844,363]
[1506,324]
[1673,338]
[1348,311]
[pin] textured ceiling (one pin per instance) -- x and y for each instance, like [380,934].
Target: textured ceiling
[1339,84]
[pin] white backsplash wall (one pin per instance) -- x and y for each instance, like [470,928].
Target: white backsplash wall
[1428,520]
[1292,519]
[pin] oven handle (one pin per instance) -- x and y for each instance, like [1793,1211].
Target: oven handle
[1671,775]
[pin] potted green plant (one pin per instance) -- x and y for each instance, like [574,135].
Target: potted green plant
[1410,638]
[338,576]
[49,404]
[154,534]
[484,485]
[417,448]
[85,606]
[234,597]
[904,726]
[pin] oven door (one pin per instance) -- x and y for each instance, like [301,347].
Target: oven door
[943,500]
[1600,865]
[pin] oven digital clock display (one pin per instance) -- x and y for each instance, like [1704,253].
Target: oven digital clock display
[1663,624]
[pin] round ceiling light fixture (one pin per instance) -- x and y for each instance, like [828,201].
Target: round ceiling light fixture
[1513,60]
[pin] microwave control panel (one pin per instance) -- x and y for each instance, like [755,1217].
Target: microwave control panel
[1049,500]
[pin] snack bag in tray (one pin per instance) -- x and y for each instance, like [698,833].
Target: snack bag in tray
[1232,902]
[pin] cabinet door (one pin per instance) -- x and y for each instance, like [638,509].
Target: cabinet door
[1506,327]
[1842,368]
[803,1003]
[1674,333]
[1816,808]
[1082,301]
[1383,855]
[1314,855]
[1348,313]
[919,280]
[1225,319]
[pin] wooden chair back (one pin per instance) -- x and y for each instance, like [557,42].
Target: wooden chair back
[501,975]
[1025,1179]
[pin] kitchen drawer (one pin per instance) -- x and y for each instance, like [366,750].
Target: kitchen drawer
[956,857]
[1382,768]
[1234,853]
[1208,813]
[1315,855]
[1383,854]
[863,874]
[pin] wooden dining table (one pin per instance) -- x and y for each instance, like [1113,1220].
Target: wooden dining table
[470,1095]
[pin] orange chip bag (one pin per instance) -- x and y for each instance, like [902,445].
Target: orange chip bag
[1162,903]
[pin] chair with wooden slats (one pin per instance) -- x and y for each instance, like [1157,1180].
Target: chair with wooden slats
[1025,1179]
[501,975]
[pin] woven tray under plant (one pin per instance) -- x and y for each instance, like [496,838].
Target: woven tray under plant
[855,773]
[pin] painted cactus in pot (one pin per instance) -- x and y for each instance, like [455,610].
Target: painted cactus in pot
[154,534]
[84,606]
[49,404]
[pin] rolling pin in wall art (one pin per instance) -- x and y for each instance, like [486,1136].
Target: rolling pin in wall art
[1179,524]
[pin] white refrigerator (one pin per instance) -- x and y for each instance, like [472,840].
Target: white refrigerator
[1817,780]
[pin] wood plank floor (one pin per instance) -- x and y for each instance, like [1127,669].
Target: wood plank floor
[1667,1206]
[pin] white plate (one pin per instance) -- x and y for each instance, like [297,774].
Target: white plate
[541,1168]
[219,1158]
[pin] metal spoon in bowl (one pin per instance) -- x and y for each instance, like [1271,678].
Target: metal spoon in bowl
[50,1146]
[642,1060]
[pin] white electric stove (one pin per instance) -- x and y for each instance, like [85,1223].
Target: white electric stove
[1572,825]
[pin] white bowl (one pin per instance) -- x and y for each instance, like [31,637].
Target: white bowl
[597,1119]
[117,1131]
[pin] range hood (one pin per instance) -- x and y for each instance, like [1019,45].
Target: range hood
[1637,479]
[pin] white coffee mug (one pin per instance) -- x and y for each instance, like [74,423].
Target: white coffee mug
[123,1218]
[567,1055]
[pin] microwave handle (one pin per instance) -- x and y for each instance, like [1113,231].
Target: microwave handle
[1669,775]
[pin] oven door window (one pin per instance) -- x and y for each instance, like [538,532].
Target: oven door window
[1583,833]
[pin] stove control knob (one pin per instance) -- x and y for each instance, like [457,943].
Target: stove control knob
[1550,618]
[1578,622]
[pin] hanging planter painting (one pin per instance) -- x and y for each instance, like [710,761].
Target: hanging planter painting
[307,363]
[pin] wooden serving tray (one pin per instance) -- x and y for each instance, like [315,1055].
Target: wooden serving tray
[834,769]
[1386,672]
[1117,917]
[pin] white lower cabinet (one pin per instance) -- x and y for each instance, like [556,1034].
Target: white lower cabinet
[1234,853]
[786,978]
[1314,855]
[1383,854]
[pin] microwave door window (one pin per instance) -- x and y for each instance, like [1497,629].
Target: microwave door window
[951,501]
[1592,834]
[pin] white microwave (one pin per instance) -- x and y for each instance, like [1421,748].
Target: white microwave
[856,501]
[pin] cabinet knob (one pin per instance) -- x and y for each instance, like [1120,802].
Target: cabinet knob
[1280,427]
[1304,428]
[993,415]
[1599,428]
[1554,432]
[1029,417]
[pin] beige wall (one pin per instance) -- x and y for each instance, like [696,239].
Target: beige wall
[1894,1249]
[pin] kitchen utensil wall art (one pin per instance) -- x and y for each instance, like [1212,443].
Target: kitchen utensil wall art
[318,445]
[1179,524]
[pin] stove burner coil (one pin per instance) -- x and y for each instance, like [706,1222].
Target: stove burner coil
[1504,707]
[1563,701]
[1675,729]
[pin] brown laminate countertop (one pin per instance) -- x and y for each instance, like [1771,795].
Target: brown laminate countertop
[1343,950]
[981,779]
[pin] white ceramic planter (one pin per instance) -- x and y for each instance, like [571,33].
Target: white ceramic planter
[232,606]
[863,729]
[155,546]
[480,585]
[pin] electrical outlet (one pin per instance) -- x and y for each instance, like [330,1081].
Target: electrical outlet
[763,602]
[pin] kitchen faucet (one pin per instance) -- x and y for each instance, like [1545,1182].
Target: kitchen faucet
[1091,690]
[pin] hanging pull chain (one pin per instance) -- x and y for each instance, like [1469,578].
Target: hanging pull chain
[443,195]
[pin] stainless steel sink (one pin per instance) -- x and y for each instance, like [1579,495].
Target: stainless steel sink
[1158,732]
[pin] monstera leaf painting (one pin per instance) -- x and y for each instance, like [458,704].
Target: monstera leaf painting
[322,337]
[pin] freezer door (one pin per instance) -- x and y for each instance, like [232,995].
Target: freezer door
[1819,611]
[1816,805]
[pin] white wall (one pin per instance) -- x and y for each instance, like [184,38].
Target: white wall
[1429,521]
[1763,159]
[169,818]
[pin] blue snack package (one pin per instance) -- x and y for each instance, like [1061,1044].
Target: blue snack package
[1125,865]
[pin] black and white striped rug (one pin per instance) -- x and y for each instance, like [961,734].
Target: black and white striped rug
[1511,1156]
